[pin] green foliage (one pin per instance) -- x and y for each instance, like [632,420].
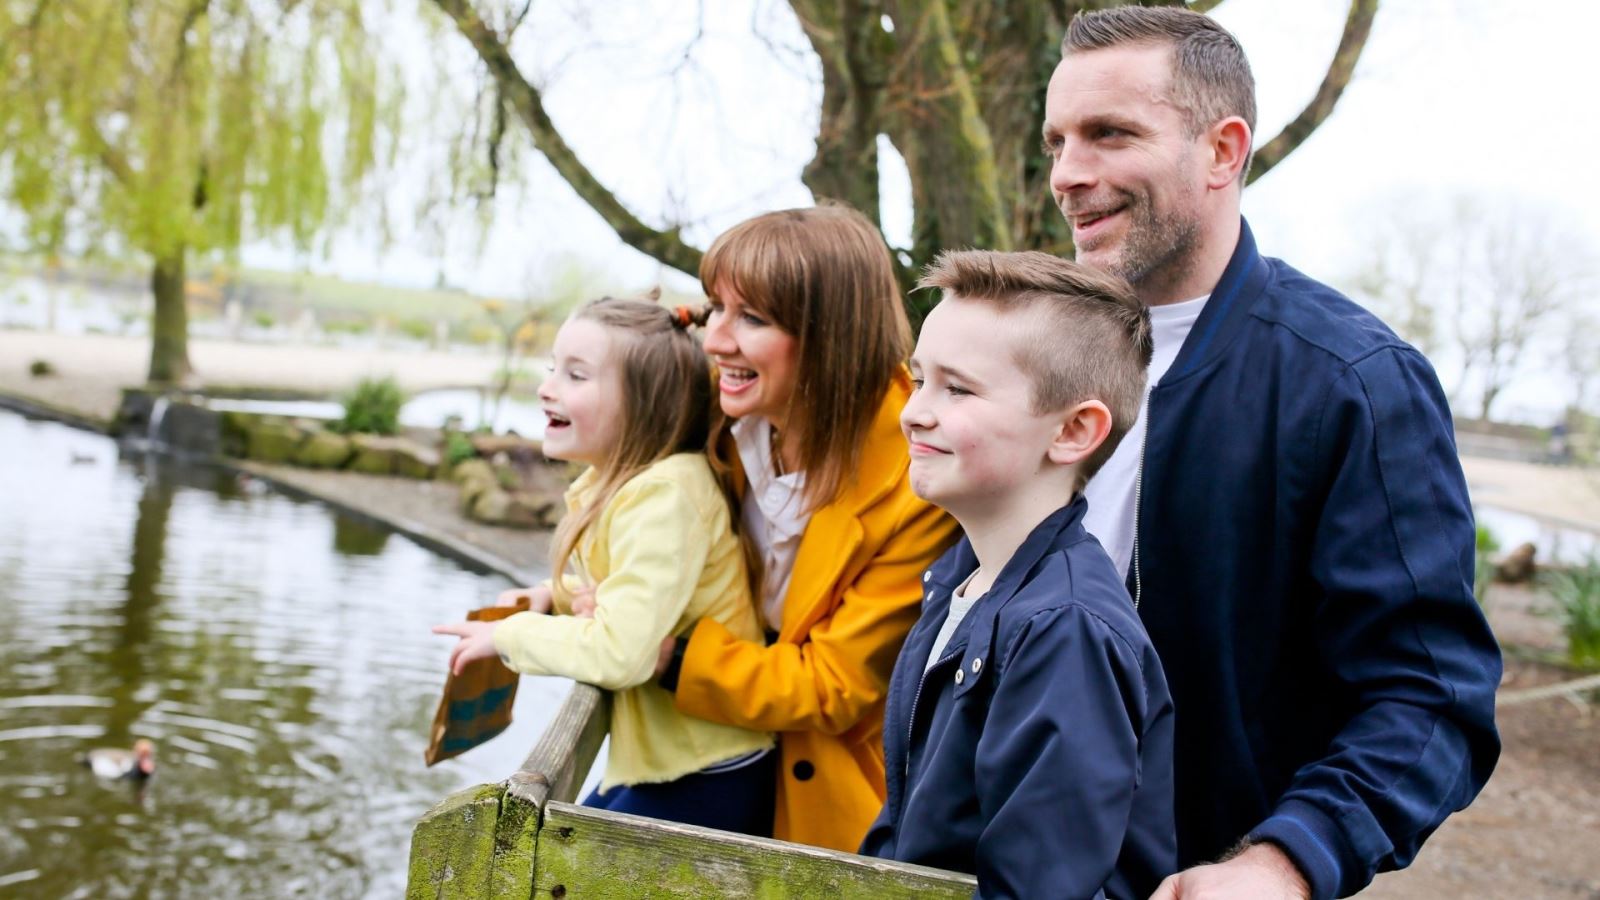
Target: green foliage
[263,319]
[1577,595]
[416,329]
[373,407]
[1483,564]
[458,448]
[174,129]
[41,368]
[346,326]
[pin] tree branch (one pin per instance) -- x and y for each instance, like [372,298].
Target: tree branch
[1357,25]
[666,246]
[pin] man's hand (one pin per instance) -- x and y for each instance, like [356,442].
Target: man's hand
[538,597]
[1262,870]
[477,642]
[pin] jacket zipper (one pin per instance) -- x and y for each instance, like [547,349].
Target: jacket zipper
[911,720]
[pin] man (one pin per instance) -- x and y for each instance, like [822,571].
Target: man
[1289,511]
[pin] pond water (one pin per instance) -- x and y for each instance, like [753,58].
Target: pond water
[277,654]
[1551,542]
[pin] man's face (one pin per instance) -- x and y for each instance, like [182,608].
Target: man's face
[1126,175]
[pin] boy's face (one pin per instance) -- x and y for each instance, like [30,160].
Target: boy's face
[975,440]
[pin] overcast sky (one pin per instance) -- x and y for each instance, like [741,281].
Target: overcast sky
[1476,97]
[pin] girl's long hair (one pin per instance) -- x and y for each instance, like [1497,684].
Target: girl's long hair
[669,405]
[824,275]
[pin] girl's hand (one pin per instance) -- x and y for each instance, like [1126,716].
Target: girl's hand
[538,596]
[664,655]
[477,642]
[583,603]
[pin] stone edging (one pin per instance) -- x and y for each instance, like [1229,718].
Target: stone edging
[431,539]
[33,409]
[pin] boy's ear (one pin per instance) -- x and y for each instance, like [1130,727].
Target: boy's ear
[1083,429]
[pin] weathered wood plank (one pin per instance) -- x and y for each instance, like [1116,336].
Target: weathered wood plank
[595,853]
[452,848]
[560,761]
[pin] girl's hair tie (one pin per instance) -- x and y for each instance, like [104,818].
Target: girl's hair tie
[682,316]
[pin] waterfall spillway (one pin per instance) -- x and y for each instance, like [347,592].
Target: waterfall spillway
[158,412]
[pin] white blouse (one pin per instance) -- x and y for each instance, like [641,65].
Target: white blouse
[777,519]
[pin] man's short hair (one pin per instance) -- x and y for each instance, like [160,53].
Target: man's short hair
[1211,77]
[1090,335]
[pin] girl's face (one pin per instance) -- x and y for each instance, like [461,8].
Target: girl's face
[758,361]
[582,396]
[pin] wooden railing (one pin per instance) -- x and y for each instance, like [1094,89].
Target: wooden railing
[525,838]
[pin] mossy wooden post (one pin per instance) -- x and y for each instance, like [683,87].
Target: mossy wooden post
[482,842]
[596,853]
[524,838]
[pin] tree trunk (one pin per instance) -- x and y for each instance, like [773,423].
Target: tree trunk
[169,329]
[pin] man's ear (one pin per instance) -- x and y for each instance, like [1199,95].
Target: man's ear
[1229,144]
[1083,429]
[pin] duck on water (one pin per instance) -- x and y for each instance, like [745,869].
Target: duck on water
[112,762]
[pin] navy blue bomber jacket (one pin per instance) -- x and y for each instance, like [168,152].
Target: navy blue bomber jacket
[1304,562]
[1037,751]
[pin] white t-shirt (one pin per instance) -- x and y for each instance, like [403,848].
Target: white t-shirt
[1111,491]
[776,520]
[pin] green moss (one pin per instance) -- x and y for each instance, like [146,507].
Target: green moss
[274,442]
[323,450]
[453,847]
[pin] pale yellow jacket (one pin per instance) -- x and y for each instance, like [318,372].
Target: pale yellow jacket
[661,556]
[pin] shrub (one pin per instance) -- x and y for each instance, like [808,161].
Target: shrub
[458,447]
[263,319]
[41,368]
[373,407]
[1483,565]
[1577,595]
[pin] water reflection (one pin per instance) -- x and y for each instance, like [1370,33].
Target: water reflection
[277,655]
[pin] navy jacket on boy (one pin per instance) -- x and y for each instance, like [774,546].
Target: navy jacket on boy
[1037,751]
[1304,562]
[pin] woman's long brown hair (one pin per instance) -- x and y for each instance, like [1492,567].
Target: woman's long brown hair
[669,405]
[824,275]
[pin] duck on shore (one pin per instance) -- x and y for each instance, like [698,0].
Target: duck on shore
[113,762]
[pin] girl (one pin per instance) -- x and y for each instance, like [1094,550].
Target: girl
[810,337]
[648,530]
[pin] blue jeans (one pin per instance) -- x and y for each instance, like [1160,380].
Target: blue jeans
[740,800]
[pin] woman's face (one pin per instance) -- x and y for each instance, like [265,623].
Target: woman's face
[757,360]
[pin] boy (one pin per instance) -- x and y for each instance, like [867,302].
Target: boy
[1028,732]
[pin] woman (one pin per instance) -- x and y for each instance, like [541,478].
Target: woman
[810,337]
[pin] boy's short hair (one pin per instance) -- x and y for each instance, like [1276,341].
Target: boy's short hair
[1090,339]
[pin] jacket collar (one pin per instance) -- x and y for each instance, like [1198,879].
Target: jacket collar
[953,568]
[1057,529]
[1231,300]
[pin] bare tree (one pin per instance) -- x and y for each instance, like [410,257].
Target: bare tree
[1497,276]
[956,86]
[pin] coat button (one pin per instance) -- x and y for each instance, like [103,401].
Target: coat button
[927,575]
[803,770]
[961,675]
[977,665]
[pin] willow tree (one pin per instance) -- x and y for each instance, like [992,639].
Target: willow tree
[179,128]
[957,86]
